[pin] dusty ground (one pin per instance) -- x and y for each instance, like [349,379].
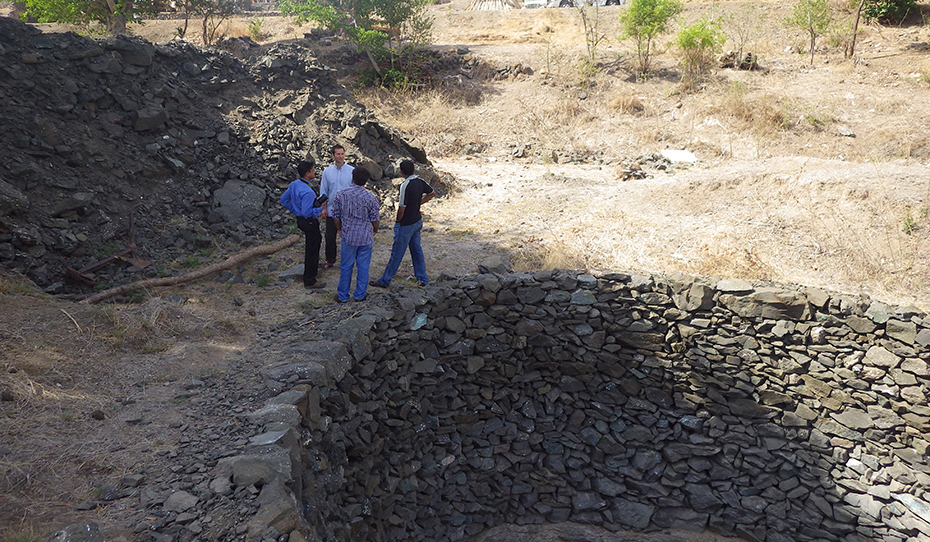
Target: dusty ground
[795,202]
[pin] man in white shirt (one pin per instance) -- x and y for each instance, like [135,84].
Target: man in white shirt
[335,178]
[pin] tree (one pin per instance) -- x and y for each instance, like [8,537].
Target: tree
[369,23]
[113,15]
[811,16]
[593,37]
[214,13]
[699,44]
[644,21]
[851,48]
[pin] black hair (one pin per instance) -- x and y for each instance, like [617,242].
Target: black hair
[337,146]
[305,166]
[360,176]
[406,167]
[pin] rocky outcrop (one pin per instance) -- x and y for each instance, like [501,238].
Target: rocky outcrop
[647,402]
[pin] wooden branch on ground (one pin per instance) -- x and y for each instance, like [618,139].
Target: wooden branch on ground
[230,262]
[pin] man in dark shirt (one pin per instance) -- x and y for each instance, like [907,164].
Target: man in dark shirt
[414,192]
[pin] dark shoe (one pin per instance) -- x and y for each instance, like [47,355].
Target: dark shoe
[362,299]
[315,286]
[378,284]
[328,265]
[421,284]
[337,300]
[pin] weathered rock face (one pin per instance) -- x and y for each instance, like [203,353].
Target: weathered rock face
[192,146]
[624,401]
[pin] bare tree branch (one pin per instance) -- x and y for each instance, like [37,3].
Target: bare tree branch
[232,261]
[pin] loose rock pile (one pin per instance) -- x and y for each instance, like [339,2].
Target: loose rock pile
[193,145]
[644,402]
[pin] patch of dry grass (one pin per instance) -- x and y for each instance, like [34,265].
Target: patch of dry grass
[626,103]
[897,142]
[155,325]
[555,61]
[730,262]
[431,116]
[759,114]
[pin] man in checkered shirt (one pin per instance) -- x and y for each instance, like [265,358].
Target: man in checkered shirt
[355,212]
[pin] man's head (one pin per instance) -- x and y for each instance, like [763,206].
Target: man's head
[406,167]
[307,169]
[339,155]
[360,176]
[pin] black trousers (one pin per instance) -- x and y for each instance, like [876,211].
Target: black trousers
[331,243]
[311,228]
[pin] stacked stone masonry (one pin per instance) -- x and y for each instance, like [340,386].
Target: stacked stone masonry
[630,402]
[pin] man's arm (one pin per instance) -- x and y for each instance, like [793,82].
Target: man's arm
[338,224]
[427,197]
[324,190]
[374,226]
[400,214]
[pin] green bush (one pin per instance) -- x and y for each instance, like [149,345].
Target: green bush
[394,79]
[699,44]
[255,28]
[390,78]
[887,11]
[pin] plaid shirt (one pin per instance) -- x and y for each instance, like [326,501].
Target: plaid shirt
[355,208]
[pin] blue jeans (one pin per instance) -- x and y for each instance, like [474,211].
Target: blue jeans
[359,257]
[404,237]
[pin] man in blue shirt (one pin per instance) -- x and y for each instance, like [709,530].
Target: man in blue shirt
[335,178]
[299,199]
[356,214]
[414,192]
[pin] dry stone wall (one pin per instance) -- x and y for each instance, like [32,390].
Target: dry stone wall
[643,402]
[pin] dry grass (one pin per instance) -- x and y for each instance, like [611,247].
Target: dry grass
[761,113]
[889,142]
[626,103]
[432,116]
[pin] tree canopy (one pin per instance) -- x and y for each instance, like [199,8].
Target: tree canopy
[644,21]
[113,15]
[369,23]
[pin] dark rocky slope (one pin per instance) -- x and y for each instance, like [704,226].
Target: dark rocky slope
[178,148]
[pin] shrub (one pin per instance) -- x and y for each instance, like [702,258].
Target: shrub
[699,44]
[255,28]
[890,11]
[390,78]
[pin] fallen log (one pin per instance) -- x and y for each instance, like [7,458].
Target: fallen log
[230,262]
